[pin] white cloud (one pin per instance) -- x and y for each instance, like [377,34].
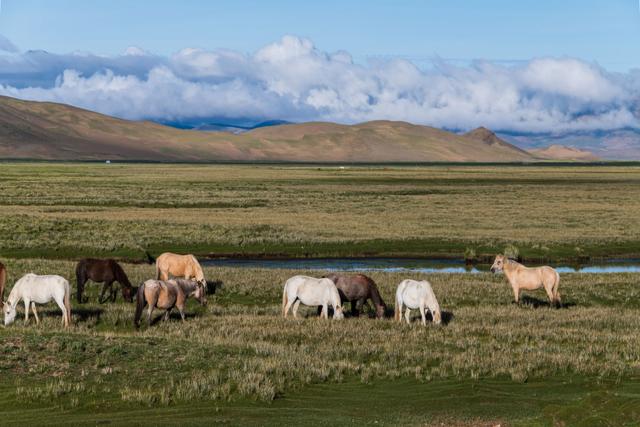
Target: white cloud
[293,80]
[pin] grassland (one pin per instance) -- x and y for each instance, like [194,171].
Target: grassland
[237,361]
[547,212]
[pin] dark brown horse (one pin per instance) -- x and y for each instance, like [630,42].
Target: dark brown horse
[106,271]
[357,289]
[3,280]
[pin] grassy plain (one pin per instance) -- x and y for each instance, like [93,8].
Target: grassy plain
[238,362]
[549,212]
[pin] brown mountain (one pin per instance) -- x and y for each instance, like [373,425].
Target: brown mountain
[563,152]
[37,130]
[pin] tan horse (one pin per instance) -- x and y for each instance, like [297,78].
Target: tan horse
[528,279]
[165,295]
[170,265]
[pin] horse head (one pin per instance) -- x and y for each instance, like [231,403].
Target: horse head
[380,311]
[498,264]
[128,292]
[9,312]
[201,292]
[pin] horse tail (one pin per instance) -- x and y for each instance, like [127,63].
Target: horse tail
[67,301]
[157,270]
[81,278]
[3,281]
[150,259]
[397,311]
[140,303]
[285,300]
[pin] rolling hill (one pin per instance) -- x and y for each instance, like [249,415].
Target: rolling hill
[563,152]
[41,130]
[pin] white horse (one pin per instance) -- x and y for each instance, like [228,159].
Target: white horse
[311,291]
[34,289]
[416,295]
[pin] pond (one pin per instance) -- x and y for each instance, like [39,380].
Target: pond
[408,265]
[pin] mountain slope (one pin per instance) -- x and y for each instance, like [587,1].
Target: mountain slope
[38,130]
[563,152]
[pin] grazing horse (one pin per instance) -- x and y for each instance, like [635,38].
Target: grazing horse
[34,289]
[172,265]
[529,279]
[417,295]
[313,292]
[166,294]
[357,289]
[3,280]
[106,271]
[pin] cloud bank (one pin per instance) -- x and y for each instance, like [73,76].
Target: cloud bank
[293,80]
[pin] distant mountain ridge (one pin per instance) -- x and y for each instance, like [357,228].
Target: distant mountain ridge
[42,130]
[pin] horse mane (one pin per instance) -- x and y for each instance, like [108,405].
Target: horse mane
[196,266]
[121,276]
[375,293]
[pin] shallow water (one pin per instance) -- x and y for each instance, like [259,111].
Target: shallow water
[409,265]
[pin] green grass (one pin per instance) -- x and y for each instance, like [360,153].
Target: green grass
[63,211]
[237,361]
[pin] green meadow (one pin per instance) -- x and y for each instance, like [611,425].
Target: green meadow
[238,362]
[545,212]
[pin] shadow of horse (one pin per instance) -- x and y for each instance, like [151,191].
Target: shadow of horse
[81,314]
[537,302]
[213,286]
[174,316]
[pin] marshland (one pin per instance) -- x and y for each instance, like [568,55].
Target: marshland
[237,361]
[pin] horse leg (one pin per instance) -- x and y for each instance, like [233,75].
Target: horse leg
[355,310]
[114,292]
[101,300]
[27,305]
[516,294]
[166,315]
[60,303]
[295,308]
[325,311]
[407,316]
[424,318]
[549,290]
[35,313]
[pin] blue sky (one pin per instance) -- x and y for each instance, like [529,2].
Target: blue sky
[527,66]
[606,31]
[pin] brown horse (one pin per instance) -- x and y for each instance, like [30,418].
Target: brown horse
[106,271]
[3,280]
[357,289]
[166,295]
[173,265]
[529,279]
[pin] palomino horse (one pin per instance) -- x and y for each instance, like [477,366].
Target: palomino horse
[417,295]
[106,271]
[167,294]
[172,265]
[313,292]
[529,279]
[34,289]
[3,280]
[357,289]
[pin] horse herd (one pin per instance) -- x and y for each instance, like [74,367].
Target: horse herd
[179,277]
